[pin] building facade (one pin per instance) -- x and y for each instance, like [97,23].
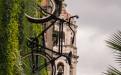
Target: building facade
[69,44]
[62,64]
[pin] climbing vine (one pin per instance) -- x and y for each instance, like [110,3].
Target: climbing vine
[14,29]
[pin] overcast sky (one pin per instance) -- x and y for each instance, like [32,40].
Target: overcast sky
[98,20]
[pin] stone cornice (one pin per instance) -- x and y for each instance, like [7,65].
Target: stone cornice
[71,46]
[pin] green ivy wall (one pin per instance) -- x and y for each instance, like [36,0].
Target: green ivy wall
[14,29]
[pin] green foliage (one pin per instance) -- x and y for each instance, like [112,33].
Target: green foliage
[13,55]
[3,38]
[44,70]
[115,43]
[14,30]
[112,71]
[30,30]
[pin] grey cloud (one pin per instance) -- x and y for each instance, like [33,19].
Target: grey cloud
[94,56]
[98,19]
[98,13]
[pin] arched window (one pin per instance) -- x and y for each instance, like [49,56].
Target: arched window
[60,69]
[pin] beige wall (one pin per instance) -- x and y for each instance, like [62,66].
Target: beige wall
[68,46]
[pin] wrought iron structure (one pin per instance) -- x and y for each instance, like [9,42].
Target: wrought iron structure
[39,50]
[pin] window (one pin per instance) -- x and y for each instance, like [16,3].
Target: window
[72,40]
[60,69]
[56,37]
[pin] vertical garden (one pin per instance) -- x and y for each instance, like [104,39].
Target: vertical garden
[14,29]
